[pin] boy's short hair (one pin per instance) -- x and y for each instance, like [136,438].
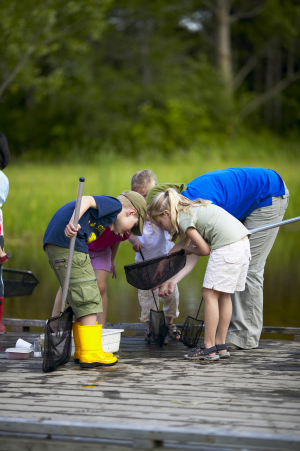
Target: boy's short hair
[4,152]
[139,204]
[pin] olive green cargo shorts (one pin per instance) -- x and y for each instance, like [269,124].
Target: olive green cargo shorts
[83,293]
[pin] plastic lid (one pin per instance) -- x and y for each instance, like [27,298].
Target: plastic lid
[19,350]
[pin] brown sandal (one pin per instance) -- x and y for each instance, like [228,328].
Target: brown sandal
[173,332]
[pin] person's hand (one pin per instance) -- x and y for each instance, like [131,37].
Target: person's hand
[137,246]
[160,271]
[71,230]
[113,270]
[166,288]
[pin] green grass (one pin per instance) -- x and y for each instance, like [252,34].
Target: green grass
[38,189]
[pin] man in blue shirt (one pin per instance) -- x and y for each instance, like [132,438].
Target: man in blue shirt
[257,197]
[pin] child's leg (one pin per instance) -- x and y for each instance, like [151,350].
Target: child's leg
[211,316]
[57,303]
[225,312]
[147,303]
[102,277]
[171,311]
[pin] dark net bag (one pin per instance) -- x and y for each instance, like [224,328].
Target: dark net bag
[191,330]
[18,282]
[148,274]
[158,328]
[58,341]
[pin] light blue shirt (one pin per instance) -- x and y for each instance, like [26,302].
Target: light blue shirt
[4,187]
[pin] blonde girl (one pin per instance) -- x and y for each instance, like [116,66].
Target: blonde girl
[207,229]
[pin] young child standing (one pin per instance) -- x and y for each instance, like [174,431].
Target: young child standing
[122,215]
[102,253]
[153,244]
[204,224]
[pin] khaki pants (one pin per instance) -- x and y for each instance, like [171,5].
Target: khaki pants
[247,306]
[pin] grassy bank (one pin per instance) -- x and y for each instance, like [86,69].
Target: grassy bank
[37,190]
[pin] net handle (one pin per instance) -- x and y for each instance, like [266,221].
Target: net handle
[199,308]
[72,244]
[275,224]
[148,275]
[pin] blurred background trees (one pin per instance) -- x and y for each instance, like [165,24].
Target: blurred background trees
[132,75]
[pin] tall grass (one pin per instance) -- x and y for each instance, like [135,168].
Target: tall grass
[39,189]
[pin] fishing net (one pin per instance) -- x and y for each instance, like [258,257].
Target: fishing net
[151,273]
[191,330]
[58,340]
[18,282]
[158,328]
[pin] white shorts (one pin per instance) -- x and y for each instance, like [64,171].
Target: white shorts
[227,267]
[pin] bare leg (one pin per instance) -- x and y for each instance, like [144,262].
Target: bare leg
[102,277]
[57,303]
[211,316]
[225,311]
[88,320]
[168,320]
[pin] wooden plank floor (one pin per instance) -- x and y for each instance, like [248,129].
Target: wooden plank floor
[256,391]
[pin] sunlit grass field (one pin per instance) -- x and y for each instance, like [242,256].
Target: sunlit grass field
[38,189]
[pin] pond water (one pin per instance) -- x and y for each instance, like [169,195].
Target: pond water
[281,286]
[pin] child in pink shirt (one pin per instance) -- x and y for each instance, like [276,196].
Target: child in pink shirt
[102,253]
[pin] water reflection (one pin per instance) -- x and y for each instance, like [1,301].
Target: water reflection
[281,292]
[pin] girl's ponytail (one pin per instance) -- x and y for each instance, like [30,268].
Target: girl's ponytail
[174,202]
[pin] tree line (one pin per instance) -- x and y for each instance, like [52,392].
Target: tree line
[130,75]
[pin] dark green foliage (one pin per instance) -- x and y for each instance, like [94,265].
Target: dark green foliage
[137,75]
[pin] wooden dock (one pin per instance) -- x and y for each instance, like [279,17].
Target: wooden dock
[153,399]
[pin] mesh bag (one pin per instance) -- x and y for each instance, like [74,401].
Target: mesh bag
[18,282]
[151,273]
[158,328]
[58,340]
[191,330]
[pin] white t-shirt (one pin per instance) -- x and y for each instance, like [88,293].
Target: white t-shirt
[4,186]
[153,244]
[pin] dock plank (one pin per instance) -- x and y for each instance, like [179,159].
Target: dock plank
[255,393]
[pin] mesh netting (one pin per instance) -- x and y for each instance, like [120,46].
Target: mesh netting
[158,328]
[18,282]
[151,273]
[58,340]
[191,332]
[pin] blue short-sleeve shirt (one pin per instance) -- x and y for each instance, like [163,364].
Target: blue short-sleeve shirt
[238,190]
[93,222]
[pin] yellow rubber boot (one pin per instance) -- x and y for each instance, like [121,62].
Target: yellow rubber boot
[108,353]
[91,352]
[76,341]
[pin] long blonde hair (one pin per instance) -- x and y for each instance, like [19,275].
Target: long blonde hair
[175,203]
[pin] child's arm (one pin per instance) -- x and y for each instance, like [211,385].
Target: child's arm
[168,287]
[184,241]
[114,250]
[202,248]
[86,203]
[135,242]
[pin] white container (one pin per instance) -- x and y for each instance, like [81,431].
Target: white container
[18,353]
[110,340]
